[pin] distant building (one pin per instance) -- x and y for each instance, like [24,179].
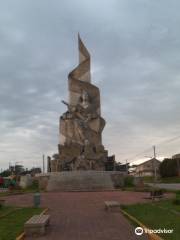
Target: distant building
[147,168]
[122,167]
[176,156]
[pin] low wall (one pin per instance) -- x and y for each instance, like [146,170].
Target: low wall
[42,180]
[25,181]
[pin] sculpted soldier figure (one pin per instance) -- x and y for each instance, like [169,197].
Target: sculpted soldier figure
[84,119]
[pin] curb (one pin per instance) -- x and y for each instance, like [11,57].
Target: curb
[151,236]
[44,211]
[22,235]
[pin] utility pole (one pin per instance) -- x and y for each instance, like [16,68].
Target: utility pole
[154,156]
[43,164]
[154,163]
[126,167]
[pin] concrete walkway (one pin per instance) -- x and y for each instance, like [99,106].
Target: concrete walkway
[81,215]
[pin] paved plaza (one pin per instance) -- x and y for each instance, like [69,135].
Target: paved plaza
[81,215]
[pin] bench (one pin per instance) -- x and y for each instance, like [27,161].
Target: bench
[36,225]
[156,194]
[113,206]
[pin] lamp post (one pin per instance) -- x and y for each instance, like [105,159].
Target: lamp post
[154,164]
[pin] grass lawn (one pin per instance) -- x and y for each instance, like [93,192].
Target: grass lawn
[12,224]
[5,210]
[167,204]
[170,180]
[154,217]
[148,179]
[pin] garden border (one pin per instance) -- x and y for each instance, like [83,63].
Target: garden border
[152,236]
[22,235]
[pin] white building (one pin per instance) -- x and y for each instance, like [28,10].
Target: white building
[147,168]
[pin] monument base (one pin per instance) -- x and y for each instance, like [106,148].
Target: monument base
[81,180]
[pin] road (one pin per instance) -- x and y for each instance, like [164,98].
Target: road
[168,186]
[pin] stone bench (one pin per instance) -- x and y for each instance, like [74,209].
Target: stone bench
[36,225]
[112,206]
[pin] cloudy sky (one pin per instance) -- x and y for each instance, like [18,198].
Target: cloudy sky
[135,49]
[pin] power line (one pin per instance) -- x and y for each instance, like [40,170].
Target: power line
[169,140]
[139,154]
[159,144]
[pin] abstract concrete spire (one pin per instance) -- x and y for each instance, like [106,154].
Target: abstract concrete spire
[83,52]
[82,71]
[84,62]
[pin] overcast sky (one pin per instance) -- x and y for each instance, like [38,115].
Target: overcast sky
[135,52]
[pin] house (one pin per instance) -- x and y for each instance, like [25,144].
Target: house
[147,168]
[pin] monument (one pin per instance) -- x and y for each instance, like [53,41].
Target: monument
[81,126]
[82,163]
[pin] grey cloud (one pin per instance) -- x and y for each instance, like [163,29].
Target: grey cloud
[134,47]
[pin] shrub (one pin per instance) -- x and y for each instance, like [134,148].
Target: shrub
[33,187]
[176,201]
[143,189]
[168,168]
[178,193]
[129,181]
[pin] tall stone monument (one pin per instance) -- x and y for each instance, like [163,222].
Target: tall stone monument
[81,125]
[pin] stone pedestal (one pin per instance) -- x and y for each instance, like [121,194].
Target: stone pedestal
[89,180]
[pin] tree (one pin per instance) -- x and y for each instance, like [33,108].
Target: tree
[168,168]
[35,170]
[55,156]
[5,173]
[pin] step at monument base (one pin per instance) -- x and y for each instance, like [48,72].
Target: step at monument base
[80,180]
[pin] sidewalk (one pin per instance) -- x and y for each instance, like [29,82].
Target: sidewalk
[81,215]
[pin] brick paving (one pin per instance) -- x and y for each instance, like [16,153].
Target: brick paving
[81,215]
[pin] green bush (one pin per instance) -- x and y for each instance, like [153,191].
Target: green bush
[143,189]
[148,179]
[129,181]
[178,193]
[33,187]
[176,201]
[168,168]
